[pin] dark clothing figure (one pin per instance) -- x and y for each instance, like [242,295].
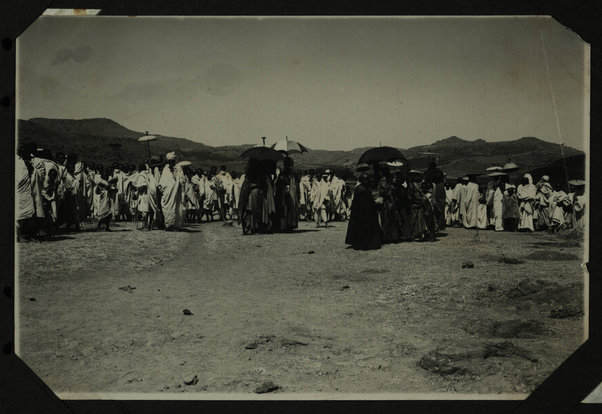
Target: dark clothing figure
[256,208]
[435,177]
[415,226]
[363,231]
[510,212]
[389,215]
[287,202]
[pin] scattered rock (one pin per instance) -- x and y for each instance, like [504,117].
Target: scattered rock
[32,299]
[127,288]
[293,342]
[467,265]
[442,364]
[310,252]
[515,329]
[551,255]
[506,349]
[252,345]
[267,386]
[490,288]
[187,312]
[191,381]
[510,260]
[528,287]
[345,287]
[567,311]
[135,380]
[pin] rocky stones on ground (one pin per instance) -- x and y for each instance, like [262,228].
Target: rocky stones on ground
[127,288]
[252,345]
[551,255]
[515,328]
[506,349]
[187,312]
[345,287]
[266,386]
[510,260]
[528,287]
[32,299]
[566,311]
[191,380]
[443,364]
[293,342]
[311,252]
[467,265]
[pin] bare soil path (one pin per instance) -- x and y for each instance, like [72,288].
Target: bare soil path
[300,310]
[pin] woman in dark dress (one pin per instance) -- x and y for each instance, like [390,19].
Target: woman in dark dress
[363,231]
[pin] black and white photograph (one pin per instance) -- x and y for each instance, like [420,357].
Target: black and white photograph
[300,207]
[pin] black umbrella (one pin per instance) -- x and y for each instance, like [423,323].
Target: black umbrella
[379,154]
[262,153]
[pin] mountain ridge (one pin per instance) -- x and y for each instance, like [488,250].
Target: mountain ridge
[106,141]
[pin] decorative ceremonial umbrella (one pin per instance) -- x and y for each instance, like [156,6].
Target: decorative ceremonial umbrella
[496,174]
[147,138]
[184,163]
[289,147]
[262,153]
[378,154]
[577,183]
[495,168]
[510,166]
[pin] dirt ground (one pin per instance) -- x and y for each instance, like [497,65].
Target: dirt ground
[300,310]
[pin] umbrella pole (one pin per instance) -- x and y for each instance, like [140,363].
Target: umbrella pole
[148,148]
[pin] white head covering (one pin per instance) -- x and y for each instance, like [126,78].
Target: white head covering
[170,156]
[545,178]
[528,177]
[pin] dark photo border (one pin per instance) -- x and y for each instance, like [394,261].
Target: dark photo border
[22,391]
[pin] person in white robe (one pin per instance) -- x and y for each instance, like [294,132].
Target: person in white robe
[171,193]
[236,186]
[449,201]
[457,206]
[25,209]
[470,203]
[320,199]
[498,202]
[526,193]
[304,196]
[335,187]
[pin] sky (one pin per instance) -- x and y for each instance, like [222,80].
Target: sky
[329,83]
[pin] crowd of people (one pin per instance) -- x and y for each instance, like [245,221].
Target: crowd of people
[58,193]
[414,206]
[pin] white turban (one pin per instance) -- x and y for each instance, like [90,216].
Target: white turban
[170,156]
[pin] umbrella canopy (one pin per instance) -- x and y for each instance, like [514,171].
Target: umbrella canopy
[262,153]
[510,166]
[496,174]
[362,167]
[289,147]
[577,183]
[395,164]
[147,138]
[495,168]
[184,163]
[379,154]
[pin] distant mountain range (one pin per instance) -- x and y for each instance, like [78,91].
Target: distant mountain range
[104,140]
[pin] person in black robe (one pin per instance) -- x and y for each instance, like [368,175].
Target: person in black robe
[414,226]
[388,212]
[363,231]
[435,177]
[286,199]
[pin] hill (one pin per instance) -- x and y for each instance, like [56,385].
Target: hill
[106,141]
